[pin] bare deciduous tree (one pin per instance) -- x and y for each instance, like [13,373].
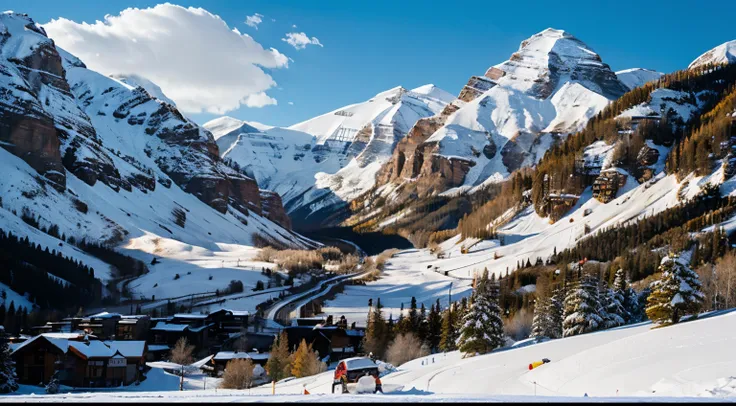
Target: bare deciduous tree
[238,374]
[182,352]
[404,348]
[725,281]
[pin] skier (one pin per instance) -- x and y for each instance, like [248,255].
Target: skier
[379,388]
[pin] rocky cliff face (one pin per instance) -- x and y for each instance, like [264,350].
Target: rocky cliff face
[504,120]
[70,123]
[321,164]
[273,209]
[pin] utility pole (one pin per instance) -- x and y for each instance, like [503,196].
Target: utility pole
[181,379]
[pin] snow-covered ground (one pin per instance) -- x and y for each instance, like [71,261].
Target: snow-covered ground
[691,361]
[409,273]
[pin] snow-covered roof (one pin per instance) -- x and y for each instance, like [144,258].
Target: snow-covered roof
[60,343]
[200,328]
[68,336]
[129,349]
[92,349]
[163,326]
[105,315]
[190,316]
[227,355]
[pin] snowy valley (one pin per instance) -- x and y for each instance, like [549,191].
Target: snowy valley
[572,230]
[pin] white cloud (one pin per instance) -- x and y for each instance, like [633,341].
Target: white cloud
[300,40]
[259,100]
[293,26]
[291,103]
[254,20]
[196,59]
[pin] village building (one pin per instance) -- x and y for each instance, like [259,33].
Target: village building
[336,342]
[606,186]
[78,360]
[133,328]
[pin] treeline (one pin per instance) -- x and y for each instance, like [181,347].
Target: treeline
[477,224]
[708,142]
[633,245]
[126,266]
[30,268]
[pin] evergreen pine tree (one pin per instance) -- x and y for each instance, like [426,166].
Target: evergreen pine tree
[581,307]
[423,329]
[541,317]
[611,308]
[449,333]
[624,294]
[676,294]
[434,321]
[376,334]
[278,365]
[482,329]
[555,312]
[8,378]
[414,315]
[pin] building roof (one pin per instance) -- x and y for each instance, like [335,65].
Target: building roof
[92,349]
[200,328]
[60,343]
[163,326]
[158,347]
[104,315]
[129,349]
[190,316]
[228,355]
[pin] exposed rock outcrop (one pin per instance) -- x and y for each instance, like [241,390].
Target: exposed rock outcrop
[273,209]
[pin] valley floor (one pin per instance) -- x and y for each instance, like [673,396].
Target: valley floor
[691,361]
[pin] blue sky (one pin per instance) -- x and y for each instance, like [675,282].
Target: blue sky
[371,46]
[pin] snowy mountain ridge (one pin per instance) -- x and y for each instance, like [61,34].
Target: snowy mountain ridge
[324,162]
[103,159]
[724,53]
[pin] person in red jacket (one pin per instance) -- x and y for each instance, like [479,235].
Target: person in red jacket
[379,388]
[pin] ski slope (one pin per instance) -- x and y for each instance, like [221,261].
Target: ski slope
[691,361]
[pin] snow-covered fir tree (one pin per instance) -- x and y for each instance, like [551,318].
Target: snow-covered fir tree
[482,329]
[555,312]
[676,293]
[541,317]
[624,293]
[8,377]
[611,308]
[581,307]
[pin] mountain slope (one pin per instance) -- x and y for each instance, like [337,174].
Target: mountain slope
[320,164]
[724,53]
[505,120]
[636,77]
[105,161]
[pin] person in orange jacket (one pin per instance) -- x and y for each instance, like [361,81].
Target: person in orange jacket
[379,388]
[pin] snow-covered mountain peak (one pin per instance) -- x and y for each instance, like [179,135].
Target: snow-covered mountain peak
[225,125]
[433,91]
[548,59]
[724,53]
